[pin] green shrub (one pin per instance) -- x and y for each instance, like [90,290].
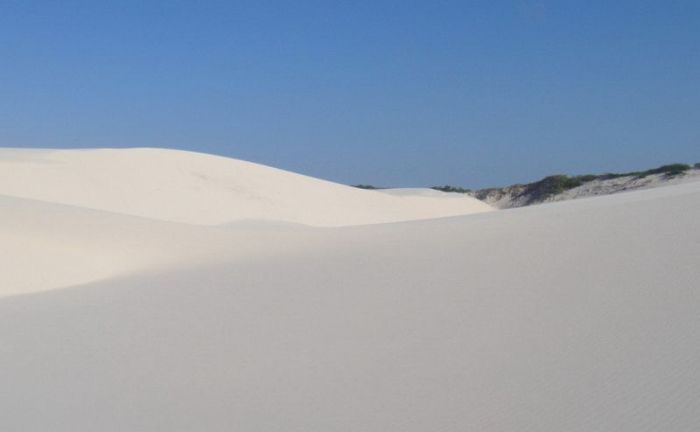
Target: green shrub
[586,178]
[610,176]
[551,185]
[368,187]
[668,170]
[448,188]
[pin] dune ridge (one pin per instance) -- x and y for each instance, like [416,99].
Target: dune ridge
[201,189]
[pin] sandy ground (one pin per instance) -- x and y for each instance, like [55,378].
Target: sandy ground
[571,316]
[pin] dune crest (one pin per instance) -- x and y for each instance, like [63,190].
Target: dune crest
[202,189]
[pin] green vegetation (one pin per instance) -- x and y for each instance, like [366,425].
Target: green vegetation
[448,188]
[668,170]
[557,184]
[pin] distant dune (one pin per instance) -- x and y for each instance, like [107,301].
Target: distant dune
[203,189]
[156,290]
[562,187]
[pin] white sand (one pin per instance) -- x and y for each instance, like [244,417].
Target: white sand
[203,189]
[573,316]
[48,245]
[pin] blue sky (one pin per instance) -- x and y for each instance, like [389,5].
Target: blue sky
[399,93]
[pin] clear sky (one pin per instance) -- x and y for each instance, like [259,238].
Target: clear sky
[395,93]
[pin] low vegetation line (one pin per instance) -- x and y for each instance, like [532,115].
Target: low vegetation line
[556,184]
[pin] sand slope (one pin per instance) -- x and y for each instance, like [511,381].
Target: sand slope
[48,245]
[573,316]
[203,189]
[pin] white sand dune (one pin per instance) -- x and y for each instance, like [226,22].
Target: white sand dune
[48,245]
[572,316]
[203,189]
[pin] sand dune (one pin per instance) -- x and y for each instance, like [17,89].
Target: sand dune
[203,189]
[48,245]
[577,316]
[75,216]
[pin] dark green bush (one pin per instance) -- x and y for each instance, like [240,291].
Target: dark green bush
[669,170]
[448,188]
[552,185]
[586,178]
[610,176]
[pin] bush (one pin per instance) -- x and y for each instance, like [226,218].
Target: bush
[668,170]
[364,186]
[448,188]
[610,176]
[556,184]
[586,178]
[551,185]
